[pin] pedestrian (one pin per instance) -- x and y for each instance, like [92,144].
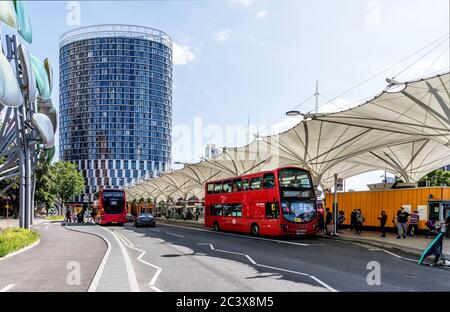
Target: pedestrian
[383,219]
[413,223]
[394,222]
[68,216]
[402,218]
[328,221]
[341,220]
[321,223]
[359,222]
[353,220]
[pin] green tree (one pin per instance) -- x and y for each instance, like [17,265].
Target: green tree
[438,177]
[45,194]
[69,182]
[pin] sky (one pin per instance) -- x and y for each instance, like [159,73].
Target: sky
[253,60]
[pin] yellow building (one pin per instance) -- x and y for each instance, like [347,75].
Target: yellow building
[428,201]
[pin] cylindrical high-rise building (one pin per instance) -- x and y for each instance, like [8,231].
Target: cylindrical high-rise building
[115,103]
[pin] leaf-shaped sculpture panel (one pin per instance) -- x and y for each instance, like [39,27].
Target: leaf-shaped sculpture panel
[23,20]
[50,153]
[44,105]
[8,14]
[45,129]
[10,93]
[53,115]
[41,77]
[49,70]
[29,80]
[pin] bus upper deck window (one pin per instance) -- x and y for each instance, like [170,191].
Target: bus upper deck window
[256,183]
[245,185]
[269,181]
[218,187]
[210,188]
[227,188]
[237,185]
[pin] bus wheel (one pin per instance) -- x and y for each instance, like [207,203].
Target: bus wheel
[255,229]
[216,226]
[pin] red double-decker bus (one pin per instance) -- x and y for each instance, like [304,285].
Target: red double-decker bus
[111,207]
[275,203]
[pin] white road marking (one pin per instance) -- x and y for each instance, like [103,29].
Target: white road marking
[323,284]
[7,288]
[153,230]
[132,280]
[173,234]
[152,282]
[94,284]
[271,267]
[240,235]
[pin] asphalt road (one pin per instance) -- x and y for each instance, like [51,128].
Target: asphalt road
[173,258]
[63,260]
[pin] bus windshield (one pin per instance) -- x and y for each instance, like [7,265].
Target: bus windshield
[297,195]
[113,202]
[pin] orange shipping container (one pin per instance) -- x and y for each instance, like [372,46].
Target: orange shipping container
[372,203]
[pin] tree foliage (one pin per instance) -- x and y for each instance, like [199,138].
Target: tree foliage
[438,177]
[68,181]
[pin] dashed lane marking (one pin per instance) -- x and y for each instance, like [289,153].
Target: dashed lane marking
[173,234]
[152,282]
[240,235]
[271,267]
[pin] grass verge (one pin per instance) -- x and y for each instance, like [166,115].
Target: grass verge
[55,218]
[14,239]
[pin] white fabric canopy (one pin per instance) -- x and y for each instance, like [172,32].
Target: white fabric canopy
[404,130]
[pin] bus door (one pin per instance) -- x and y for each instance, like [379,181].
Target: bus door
[271,212]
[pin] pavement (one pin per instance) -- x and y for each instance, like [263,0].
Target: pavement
[10,222]
[63,261]
[175,257]
[415,245]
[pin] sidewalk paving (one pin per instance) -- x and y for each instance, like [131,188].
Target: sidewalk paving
[10,222]
[412,245]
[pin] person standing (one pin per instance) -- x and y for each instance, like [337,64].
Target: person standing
[328,221]
[402,218]
[413,223]
[353,220]
[359,222]
[341,220]
[383,219]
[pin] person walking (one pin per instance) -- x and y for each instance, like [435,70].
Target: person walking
[383,219]
[328,221]
[68,216]
[402,218]
[359,222]
[321,223]
[413,223]
[353,220]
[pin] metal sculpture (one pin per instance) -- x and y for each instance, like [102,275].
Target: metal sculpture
[28,126]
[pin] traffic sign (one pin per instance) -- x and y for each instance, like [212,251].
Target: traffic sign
[340,185]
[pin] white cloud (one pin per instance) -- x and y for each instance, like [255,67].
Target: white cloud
[182,54]
[259,43]
[223,35]
[244,2]
[261,14]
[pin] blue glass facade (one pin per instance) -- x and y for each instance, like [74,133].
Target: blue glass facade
[116,103]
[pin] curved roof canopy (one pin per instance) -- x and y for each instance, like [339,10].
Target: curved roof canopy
[404,130]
